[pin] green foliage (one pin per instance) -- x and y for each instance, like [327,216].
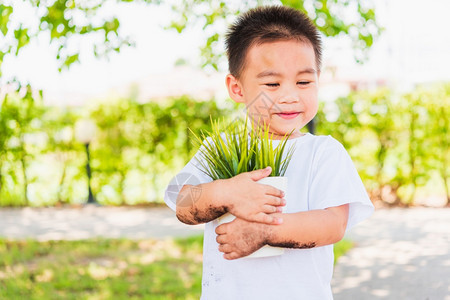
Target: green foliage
[389,136]
[20,133]
[63,21]
[105,269]
[100,268]
[132,156]
[235,149]
[328,15]
[67,155]
[267,155]
[399,143]
[437,130]
[66,21]
[119,134]
[138,145]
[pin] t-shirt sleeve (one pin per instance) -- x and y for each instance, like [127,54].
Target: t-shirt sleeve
[191,174]
[335,181]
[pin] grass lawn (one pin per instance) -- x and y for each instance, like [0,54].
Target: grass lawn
[105,269]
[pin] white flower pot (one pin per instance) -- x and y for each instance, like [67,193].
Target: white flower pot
[280,183]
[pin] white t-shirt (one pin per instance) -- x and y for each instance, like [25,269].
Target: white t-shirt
[320,175]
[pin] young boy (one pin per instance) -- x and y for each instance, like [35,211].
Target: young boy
[274,56]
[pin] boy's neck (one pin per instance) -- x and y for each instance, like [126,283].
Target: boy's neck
[294,135]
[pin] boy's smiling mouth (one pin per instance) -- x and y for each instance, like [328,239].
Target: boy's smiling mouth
[288,114]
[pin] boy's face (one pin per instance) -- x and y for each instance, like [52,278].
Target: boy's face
[279,86]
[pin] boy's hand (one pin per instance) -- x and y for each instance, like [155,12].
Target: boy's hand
[240,238]
[253,201]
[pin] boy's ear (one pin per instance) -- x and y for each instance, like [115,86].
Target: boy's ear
[234,88]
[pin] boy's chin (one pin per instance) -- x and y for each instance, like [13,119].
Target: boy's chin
[280,133]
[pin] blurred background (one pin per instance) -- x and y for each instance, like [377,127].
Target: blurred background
[97,96]
[96,101]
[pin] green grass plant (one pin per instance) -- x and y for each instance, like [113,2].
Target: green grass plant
[228,151]
[105,269]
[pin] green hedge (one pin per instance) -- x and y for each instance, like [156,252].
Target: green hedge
[399,143]
[136,149]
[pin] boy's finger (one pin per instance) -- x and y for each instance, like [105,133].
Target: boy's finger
[268,219]
[265,218]
[268,209]
[259,174]
[230,256]
[225,248]
[221,229]
[277,221]
[275,201]
[270,190]
[220,239]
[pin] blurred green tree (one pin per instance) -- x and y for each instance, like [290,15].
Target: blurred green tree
[140,144]
[65,21]
[399,142]
[376,115]
[20,127]
[340,119]
[433,133]
[5,135]
[439,127]
[112,157]
[169,141]
[62,146]
[414,108]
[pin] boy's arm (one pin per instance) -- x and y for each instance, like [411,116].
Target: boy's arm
[300,230]
[240,195]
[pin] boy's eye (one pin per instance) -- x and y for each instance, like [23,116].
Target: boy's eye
[272,84]
[303,82]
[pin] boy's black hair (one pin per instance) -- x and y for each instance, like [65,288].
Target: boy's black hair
[269,24]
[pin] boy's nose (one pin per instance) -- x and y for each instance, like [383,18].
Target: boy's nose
[290,98]
[289,94]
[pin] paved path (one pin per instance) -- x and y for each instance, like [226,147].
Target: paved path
[400,253]
[92,221]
